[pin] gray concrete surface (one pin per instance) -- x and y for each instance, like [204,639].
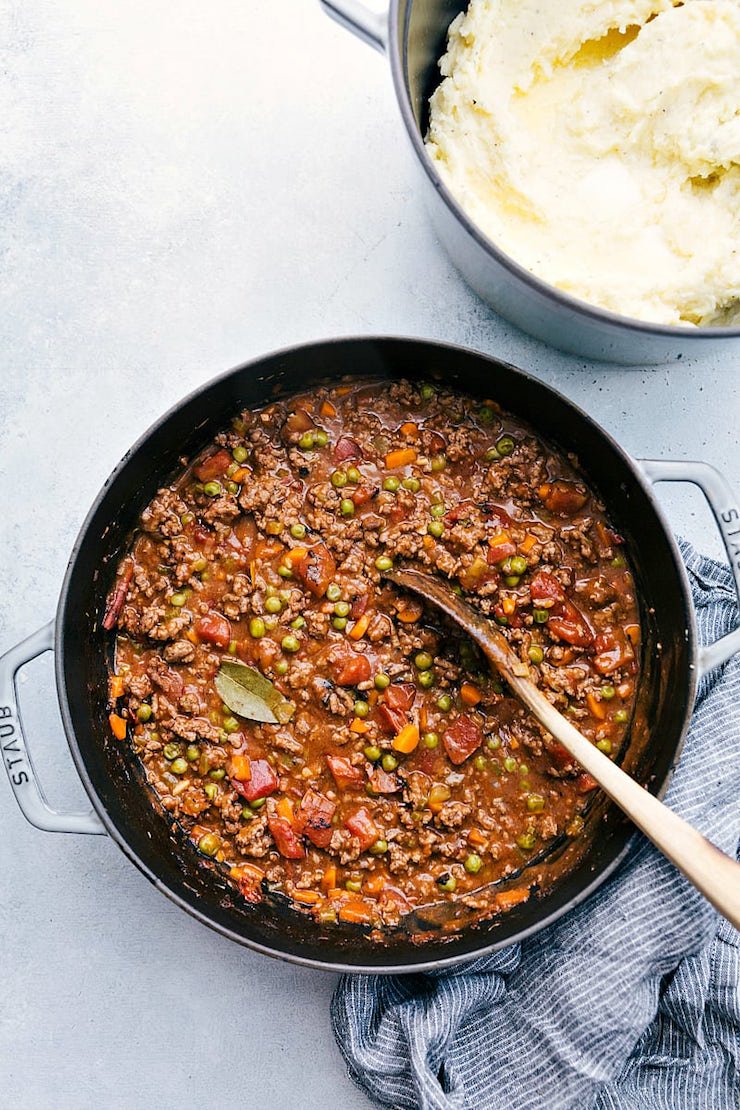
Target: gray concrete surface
[182,187]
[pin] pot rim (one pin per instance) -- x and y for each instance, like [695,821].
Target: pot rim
[338,966]
[398,62]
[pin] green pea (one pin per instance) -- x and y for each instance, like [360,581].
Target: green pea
[473,864]
[436,528]
[372,752]
[273,604]
[333,592]
[439,462]
[510,763]
[257,803]
[426,679]
[307,441]
[518,564]
[281,667]
[447,882]
[383,562]
[217,774]
[444,703]
[541,616]
[493,743]
[199,564]
[232,487]
[342,608]
[171,751]
[340,623]
[389,762]
[536,654]
[354,885]
[209,844]
[391,485]
[480,762]
[240,454]
[430,739]
[179,766]
[618,562]
[247,813]
[535,803]
[621,716]
[379,848]
[338,479]
[411,484]
[285,572]
[491,454]
[381,681]
[298,622]
[607,692]
[512,580]
[423,661]
[290,643]
[361,708]
[232,647]
[230,724]
[144,712]
[526,841]
[210,790]
[192,753]
[505,445]
[298,531]
[178,600]
[353,475]
[427,391]
[257,628]
[604,746]
[212,489]
[486,414]
[321,438]
[347,507]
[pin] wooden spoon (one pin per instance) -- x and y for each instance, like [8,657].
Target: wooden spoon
[710,870]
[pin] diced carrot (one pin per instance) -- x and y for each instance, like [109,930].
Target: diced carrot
[307,897]
[506,899]
[327,409]
[374,884]
[359,913]
[633,632]
[343,390]
[423,719]
[240,474]
[411,611]
[498,539]
[427,542]
[329,878]
[285,809]
[116,686]
[359,628]
[596,708]
[527,544]
[508,605]
[246,871]
[513,743]
[544,490]
[409,428]
[118,726]
[359,726]
[476,838]
[407,739]
[403,456]
[469,694]
[192,635]
[240,767]
[252,571]
[295,553]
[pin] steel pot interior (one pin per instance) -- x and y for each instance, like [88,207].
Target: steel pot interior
[113,777]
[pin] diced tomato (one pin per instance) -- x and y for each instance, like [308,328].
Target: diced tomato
[359,605]
[263,782]
[352,668]
[202,536]
[393,710]
[513,620]
[169,681]
[462,738]
[316,569]
[250,886]
[563,498]
[545,588]
[284,835]
[361,495]
[613,650]
[569,623]
[297,421]
[214,628]
[500,551]
[559,755]
[346,448]
[361,825]
[314,818]
[381,782]
[459,512]
[585,782]
[214,466]
[346,774]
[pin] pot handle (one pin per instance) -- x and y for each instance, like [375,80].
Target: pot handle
[17,760]
[726,511]
[369,26]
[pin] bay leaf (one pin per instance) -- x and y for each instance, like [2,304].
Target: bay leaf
[249,694]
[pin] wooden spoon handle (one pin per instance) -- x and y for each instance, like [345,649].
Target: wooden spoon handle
[710,870]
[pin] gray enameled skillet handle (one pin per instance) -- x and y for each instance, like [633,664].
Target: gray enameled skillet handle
[25,785]
[369,26]
[726,509]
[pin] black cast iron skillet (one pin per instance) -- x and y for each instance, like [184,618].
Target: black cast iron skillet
[122,803]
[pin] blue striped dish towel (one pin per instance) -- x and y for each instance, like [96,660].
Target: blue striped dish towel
[630,1002]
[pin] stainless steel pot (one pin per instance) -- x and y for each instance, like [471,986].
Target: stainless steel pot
[413,34]
[123,805]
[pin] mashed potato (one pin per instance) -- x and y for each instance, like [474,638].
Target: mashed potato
[598,144]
